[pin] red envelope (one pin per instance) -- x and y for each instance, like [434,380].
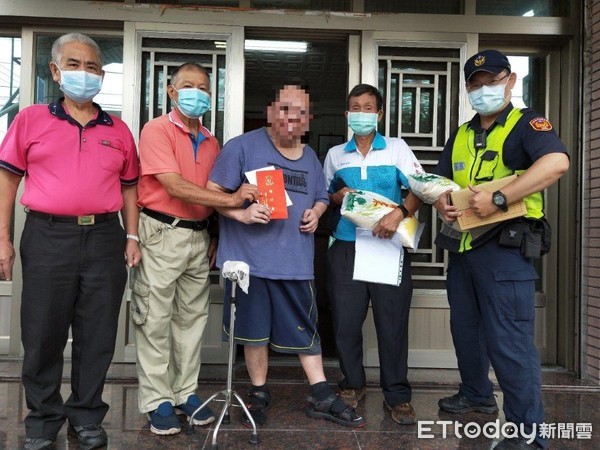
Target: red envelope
[272,190]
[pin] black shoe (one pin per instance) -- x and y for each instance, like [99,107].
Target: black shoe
[515,443]
[257,405]
[459,404]
[38,444]
[89,436]
[325,409]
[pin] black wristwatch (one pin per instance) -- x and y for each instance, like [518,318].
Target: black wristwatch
[499,199]
[404,210]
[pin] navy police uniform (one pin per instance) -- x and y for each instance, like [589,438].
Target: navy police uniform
[491,287]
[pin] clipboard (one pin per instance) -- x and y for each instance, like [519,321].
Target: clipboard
[469,220]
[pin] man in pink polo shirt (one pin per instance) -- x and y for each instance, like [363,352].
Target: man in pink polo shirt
[170,298]
[81,169]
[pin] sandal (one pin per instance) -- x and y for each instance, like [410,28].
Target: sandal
[258,404]
[325,409]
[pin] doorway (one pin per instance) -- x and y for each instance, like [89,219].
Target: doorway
[421,84]
[318,61]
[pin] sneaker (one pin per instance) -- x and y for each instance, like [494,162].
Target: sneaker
[353,396]
[164,421]
[38,444]
[515,443]
[459,404]
[402,413]
[257,405]
[202,417]
[89,436]
[326,409]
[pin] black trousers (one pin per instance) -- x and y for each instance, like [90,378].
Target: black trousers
[73,277]
[391,305]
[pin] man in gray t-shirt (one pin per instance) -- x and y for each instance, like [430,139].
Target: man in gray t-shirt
[280,308]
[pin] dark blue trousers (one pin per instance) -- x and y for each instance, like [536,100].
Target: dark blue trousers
[73,277]
[350,301]
[491,291]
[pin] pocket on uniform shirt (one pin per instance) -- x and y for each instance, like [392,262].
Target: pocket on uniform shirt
[487,165]
[111,155]
[140,298]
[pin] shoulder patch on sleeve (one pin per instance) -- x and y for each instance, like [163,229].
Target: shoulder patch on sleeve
[540,124]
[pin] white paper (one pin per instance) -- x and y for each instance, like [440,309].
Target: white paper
[377,260]
[251,175]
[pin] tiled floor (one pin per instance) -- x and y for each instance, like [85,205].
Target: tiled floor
[567,400]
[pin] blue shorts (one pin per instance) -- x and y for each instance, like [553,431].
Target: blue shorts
[279,313]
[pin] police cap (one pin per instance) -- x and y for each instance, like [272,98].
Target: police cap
[491,61]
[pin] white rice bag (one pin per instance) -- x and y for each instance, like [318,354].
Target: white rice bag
[364,209]
[429,186]
[410,231]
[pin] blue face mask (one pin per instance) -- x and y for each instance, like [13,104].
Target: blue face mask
[79,85]
[362,123]
[488,100]
[192,102]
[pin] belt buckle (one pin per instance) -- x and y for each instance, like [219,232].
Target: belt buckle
[86,220]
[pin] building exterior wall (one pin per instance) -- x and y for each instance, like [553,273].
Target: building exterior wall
[467,32]
[590,288]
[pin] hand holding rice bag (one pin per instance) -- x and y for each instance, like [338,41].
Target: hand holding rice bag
[364,209]
[429,186]
[410,231]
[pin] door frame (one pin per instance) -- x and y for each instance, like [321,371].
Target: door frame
[26,98]
[427,304]
[213,350]
[234,68]
[553,318]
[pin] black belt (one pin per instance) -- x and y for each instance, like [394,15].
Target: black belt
[89,219]
[197,225]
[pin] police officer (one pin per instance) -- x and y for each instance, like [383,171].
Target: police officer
[491,282]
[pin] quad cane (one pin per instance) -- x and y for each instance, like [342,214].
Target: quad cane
[236,272]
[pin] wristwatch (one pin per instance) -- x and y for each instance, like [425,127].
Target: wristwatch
[499,199]
[404,210]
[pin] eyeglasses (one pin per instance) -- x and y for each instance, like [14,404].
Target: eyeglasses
[474,86]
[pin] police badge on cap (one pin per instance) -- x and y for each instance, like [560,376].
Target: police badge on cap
[491,61]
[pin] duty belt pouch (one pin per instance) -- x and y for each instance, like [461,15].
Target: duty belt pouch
[544,227]
[532,236]
[532,243]
[512,234]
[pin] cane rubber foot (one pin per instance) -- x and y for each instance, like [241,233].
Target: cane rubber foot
[254,439]
[190,430]
[226,419]
[214,446]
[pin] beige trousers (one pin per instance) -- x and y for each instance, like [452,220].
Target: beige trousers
[169,310]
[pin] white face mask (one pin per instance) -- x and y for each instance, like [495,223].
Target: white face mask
[192,102]
[362,123]
[80,85]
[488,100]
